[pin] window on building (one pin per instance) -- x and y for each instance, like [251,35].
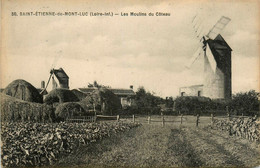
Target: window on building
[182,93]
[199,93]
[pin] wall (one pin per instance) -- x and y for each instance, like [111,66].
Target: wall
[191,90]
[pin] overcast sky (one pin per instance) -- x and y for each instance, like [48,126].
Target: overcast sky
[126,50]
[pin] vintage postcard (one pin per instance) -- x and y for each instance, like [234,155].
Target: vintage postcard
[130,83]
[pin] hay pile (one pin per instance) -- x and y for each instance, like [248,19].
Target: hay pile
[69,110]
[80,95]
[60,96]
[17,110]
[105,101]
[23,90]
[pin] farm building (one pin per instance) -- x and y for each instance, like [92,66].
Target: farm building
[126,96]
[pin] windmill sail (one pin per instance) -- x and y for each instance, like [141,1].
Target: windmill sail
[218,27]
[195,57]
[211,59]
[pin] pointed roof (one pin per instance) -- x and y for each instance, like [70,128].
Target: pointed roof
[220,43]
[60,74]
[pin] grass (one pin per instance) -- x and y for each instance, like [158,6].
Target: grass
[173,145]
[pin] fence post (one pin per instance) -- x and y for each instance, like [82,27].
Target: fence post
[149,119]
[163,121]
[212,119]
[133,118]
[181,118]
[117,118]
[94,108]
[228,115]
[197,120]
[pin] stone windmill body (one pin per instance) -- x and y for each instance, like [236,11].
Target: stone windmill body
[217,65]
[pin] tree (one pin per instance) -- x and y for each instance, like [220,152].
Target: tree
[246,102]
[146,102]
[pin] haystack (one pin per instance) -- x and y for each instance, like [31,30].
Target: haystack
[23,90]
[80,95]
[105,101]
[60,96]
[70,110]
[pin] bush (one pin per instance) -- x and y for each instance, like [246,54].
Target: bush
[246,103]
[147,103]
[192,105]
[69,110]
[105,101]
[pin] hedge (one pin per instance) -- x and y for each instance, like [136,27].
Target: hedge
[16,110]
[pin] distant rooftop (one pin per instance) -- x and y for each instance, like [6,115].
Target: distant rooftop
[123,92]
[118,92]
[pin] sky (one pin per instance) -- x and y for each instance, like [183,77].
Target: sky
[119,51]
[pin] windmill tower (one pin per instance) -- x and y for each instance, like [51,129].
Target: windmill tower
[217,61]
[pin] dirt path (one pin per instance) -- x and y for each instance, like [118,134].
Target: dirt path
[169,146]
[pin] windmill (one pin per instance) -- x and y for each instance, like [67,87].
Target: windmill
[217,59]
[52,73]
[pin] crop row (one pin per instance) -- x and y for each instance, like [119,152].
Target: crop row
[37,144]
[242,127]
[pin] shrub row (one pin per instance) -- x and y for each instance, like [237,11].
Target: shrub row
[17,110]
[242,127]
[193,105]
[37,144]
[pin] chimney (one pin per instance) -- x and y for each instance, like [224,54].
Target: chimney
[42,84]
[131,87]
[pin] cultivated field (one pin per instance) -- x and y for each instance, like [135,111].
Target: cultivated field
[174,145]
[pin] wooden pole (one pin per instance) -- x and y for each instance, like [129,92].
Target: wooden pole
[133,118]
[149,119]
[181,118]
[212,118]
[228,115]
[197,121]
[163,121]
[117,118]
[94,108]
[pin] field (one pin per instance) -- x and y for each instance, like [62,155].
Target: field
[171,145]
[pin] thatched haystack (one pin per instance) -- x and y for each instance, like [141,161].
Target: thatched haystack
[105,101]
[70,110]
[80,95]
[23,90]
[16,110]
[60,96]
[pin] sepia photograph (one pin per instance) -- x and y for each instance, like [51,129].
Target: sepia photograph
[152,83]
